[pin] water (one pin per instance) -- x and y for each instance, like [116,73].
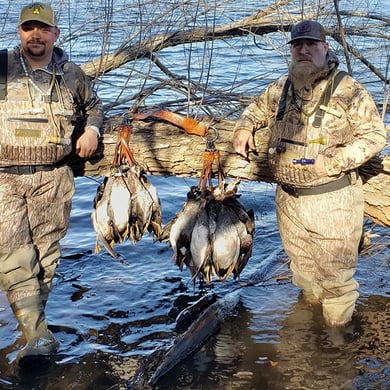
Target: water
[110,317]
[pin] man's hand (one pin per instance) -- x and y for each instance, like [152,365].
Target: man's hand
[243,142]
[87,143]
[319,166]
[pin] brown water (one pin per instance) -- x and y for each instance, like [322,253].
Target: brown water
[110,317]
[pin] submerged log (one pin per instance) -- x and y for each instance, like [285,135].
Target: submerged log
[202,328]
[165,150]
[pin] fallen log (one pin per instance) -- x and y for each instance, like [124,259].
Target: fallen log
[165,150]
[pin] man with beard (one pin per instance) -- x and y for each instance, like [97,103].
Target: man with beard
[48,108]
[322,126]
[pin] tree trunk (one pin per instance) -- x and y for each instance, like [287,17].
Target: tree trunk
[166,150]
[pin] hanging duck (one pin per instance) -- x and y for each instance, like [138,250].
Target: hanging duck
[126,204]
[213,234]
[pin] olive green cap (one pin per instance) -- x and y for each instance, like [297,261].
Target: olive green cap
[38,12]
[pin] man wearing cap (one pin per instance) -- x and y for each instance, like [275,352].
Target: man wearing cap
[47,109]
[322,126]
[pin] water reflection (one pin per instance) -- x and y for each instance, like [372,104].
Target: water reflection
[312,355]
[291,349]
[111,317]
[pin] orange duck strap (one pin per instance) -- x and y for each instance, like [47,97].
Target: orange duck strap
[209,157]
[123,153]
[190,125]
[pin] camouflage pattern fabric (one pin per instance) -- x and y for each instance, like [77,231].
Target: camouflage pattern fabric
[320,233]
[34,212]
[38,128]
[352,130]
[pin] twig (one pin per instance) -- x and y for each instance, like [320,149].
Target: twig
[342,36]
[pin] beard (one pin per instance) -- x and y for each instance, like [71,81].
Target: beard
[304,76]
[35,49]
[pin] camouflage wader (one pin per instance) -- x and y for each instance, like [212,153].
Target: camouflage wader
[321,234]
[321,231]
[42,111]
[35,210]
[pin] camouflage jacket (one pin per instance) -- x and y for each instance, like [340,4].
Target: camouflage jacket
[44,110]
[350,133]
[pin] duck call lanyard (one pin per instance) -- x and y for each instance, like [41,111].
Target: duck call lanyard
[46,95]
[322,103]
[319,112]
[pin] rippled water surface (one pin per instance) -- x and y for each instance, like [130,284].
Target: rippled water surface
[112,318]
